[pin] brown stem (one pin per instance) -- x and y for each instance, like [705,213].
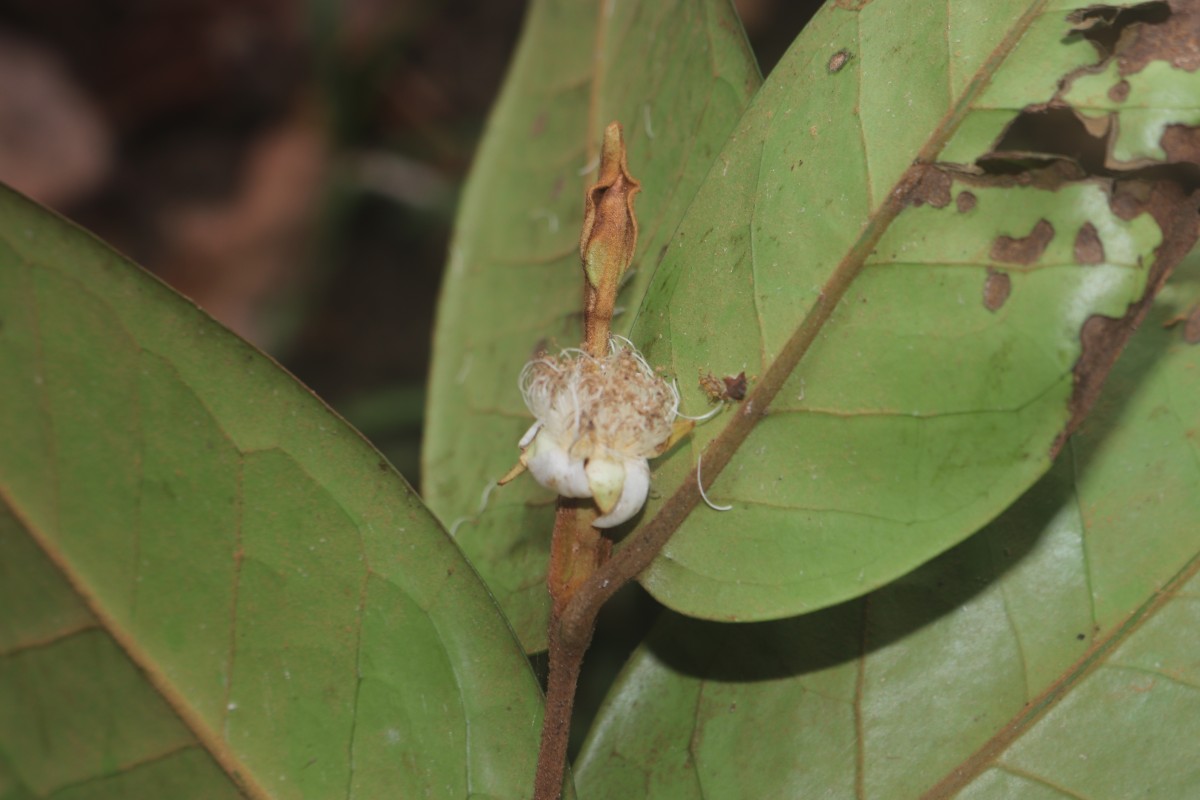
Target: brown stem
[566,657]
[577,550]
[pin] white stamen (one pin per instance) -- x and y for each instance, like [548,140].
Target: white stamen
[702,417]
[574,387]
[487,493]
[700,486]
[616,339]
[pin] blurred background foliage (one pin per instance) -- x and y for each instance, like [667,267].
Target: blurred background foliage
[293,167]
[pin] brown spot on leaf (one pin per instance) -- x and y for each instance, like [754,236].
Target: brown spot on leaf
[1050,177]
[1088,247]
[1102,338]
[852,5]
[539,126]
[1181,144]
[1173,36]
[1119,91]
[996,289]
[931,185]
[838,60]
[964,202]
[1129,198]
[1025,250]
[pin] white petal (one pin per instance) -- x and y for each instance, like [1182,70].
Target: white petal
[529,434]
[553,468]
[606,477]
[633,494]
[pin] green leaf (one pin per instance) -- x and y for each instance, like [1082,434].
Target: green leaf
[212,586]
[1151,97]
[677,75]
[1051,655]
[916,327]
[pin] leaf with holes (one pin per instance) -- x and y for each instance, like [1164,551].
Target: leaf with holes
[1052,655]
[927,306]
[678,75]
[211,585]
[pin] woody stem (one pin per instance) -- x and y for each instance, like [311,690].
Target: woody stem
[576,551]
[566,659]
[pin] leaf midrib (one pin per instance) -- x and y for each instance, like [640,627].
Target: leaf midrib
[645,543]
[1035,709]
[206,736]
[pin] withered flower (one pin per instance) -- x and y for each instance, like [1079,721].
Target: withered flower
[599,421]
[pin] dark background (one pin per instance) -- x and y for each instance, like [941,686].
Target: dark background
[292,166]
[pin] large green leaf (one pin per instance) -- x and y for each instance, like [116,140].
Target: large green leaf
[678,75]
[210,585]
[1052,655]
[917,327]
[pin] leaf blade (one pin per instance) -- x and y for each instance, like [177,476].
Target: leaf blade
[249,553]
[844,276]
[998,662]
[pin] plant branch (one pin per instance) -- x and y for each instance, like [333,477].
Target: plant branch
[577,549]
[565,662]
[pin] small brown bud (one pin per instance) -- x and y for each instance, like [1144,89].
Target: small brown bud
[609,238]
